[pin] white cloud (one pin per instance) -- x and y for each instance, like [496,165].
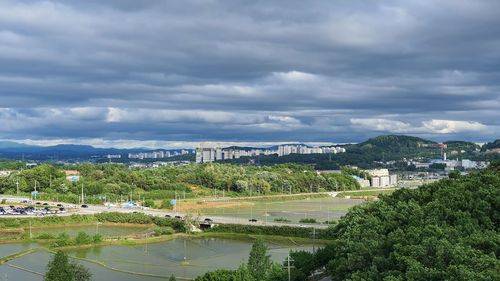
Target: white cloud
[284,119]
[450,126]
[380,124]
[154,144]
[434,126]
[295,76]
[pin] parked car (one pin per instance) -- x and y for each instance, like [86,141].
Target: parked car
[252,220]
[84,206]
[168,216]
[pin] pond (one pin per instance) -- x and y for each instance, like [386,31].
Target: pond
[10,249]
[182,257]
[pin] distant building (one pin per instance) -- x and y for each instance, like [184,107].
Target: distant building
[114,156]
[210,154]
[382,178]
[159,154]
[378,172]
[72,175]
[5,173]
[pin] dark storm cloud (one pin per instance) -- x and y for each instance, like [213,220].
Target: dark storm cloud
[249,70]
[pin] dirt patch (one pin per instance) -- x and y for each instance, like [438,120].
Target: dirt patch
[195,189]
[208,204]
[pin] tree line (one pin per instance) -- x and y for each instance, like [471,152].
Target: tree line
[164,182]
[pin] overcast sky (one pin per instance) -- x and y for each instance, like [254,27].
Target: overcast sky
[126,71]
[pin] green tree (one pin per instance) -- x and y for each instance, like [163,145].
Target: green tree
[80,272]
[83,238]
[455,174]
[60,268]
[172,278]
[259,262]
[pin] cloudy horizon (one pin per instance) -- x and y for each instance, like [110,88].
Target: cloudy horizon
[149,73]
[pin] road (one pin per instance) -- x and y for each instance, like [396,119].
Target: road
[94,209]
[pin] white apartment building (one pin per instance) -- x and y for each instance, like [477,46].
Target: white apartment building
[210,154]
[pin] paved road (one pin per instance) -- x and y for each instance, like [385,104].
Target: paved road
[93,209]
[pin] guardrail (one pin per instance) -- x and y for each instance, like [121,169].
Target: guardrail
[13,198]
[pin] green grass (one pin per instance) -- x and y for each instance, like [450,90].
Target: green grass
[321,209]
[365,193]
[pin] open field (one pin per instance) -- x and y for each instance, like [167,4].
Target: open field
[322,209]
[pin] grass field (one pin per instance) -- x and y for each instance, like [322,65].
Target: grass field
[322,209]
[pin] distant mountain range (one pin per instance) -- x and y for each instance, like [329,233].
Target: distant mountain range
[387,144]
[9,149]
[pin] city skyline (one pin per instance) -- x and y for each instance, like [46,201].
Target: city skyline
[148,73]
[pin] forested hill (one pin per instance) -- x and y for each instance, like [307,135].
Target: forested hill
[462,145]
[364,154]
[394,142]
[491,145]
[448,230]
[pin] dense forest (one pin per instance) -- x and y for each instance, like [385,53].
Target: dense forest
[160,183]
[448,230]
[491,145]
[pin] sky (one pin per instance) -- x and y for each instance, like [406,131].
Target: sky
[135,73]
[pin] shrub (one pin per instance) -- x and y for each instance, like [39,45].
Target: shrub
[303,232]
[308,220]
[62,240]
[282,220]
[165,230]
[165,204]
[45,236]
[97,238]
[83,238]
[149,203]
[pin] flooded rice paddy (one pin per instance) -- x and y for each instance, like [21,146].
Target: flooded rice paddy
[104,230]
[182,257]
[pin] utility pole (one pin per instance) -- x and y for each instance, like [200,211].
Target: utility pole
[314,240]
[31,234]
[82,195]
[288,259]
[265,214]
[17,186]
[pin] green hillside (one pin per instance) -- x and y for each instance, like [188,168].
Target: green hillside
[491,145]
[398,142]
[448,230]
[462,145]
